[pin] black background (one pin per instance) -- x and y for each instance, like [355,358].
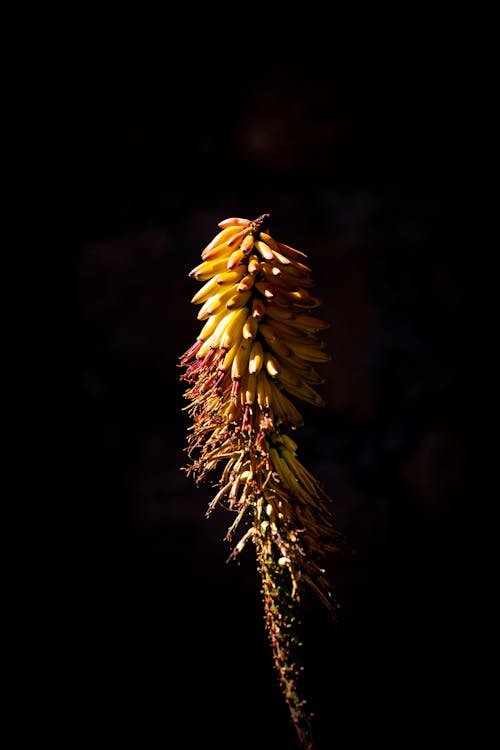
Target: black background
[356,152]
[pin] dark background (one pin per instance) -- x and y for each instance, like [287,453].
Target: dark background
[144,628]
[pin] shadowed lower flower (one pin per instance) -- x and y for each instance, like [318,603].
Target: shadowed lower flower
[257,350]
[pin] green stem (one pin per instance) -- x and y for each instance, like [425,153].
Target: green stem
[282,626]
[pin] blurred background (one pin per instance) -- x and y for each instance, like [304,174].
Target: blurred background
[156,636]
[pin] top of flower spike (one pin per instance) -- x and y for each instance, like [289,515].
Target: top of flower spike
[235,221]
[239,233]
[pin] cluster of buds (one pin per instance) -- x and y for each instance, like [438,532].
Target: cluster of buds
[257,350]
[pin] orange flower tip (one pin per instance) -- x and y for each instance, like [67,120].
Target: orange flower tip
[234,221]
[291,250]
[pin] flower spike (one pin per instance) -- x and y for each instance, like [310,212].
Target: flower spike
[255,356]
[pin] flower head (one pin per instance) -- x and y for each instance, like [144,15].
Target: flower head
[257,352]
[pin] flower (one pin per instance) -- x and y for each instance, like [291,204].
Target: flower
[257,350]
